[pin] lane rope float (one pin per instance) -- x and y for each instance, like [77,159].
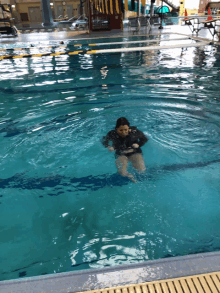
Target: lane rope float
[104,51]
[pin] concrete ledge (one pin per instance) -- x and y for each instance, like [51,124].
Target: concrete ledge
[116,276]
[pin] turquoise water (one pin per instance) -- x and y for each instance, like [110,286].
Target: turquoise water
[62,205]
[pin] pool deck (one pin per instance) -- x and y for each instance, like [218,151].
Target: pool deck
[177,271]
[36,37]
[199,272]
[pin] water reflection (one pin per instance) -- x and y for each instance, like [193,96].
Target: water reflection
[64,105]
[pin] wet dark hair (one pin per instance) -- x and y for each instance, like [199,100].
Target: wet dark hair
[121,121]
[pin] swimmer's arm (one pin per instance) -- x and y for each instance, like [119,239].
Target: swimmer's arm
[105,141]
[142,138]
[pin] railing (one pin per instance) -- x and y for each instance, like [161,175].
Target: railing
[136,23]
[171,4]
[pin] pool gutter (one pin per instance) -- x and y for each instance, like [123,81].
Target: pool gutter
[87,280]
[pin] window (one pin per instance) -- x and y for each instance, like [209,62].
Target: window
[24,17]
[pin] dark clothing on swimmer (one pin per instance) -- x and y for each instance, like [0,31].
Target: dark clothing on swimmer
[121,144]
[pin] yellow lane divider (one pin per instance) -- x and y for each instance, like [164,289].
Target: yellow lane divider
[92,52]
[57,54]
[38,55]
[97,44]
[76,52]
[46,54]
[135,49]
[18,56]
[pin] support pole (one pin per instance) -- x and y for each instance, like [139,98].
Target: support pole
[138,15]
[151,10]
[90,8]
[143,7]
[81,7]
[138,8]
[161,17]
[47,13]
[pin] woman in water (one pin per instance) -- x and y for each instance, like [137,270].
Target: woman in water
[126,142]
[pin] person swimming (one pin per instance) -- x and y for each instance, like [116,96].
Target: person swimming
[126,142]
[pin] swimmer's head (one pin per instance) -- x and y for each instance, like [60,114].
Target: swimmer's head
[122,127]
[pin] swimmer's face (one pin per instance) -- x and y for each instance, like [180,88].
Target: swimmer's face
[123,130]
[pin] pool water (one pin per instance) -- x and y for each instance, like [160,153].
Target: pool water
[63,207]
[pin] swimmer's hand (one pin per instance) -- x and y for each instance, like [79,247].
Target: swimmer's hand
[111,149]
[135,145]
[127,151]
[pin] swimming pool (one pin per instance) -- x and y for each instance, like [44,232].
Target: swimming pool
[63,206]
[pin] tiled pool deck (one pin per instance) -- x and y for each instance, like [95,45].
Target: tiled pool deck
[181,268]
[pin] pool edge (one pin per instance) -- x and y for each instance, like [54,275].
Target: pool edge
[86,280]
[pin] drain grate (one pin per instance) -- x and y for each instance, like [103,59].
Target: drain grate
[206,283]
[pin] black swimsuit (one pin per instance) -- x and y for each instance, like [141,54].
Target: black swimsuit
[135,151]
[121,144]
